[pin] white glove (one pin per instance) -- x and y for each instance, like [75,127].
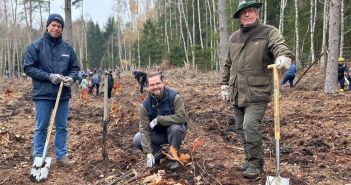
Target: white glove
[150,160]
[225,93]
[56,78]
[283,62]
[153,123]
[67,81]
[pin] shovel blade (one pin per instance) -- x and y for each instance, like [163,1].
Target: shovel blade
[277,180]
[40,171]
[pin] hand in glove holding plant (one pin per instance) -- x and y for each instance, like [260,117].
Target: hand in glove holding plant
[150,160]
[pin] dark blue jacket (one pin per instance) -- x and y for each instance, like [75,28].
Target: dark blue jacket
[48,55]
[161,107]
[291,71]
[342,68]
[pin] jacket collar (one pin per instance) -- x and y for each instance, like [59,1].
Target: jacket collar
[251,27]
[53,40]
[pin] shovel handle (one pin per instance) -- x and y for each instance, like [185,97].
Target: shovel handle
[52,120]
[276,100]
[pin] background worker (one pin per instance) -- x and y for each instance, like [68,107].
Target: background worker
[290,75]
[140,76]
[342,69]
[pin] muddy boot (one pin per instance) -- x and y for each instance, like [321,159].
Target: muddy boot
[64,162]
[244,166]
[173,165]
[252,173]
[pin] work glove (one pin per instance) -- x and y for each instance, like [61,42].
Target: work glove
[283,62]
[56,78]
[225,92]
[67,81]
[150,160]
[153,123]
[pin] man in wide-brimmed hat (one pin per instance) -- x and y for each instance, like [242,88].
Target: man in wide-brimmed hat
[246,81]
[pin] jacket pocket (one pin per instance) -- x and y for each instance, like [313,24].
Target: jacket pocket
[260,88]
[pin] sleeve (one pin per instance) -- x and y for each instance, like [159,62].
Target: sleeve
[144,129]
[73,67]
[31,63]
[277,45]
[178,117]
[226,70]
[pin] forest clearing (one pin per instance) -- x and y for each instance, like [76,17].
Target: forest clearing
[315,141]
[222,128]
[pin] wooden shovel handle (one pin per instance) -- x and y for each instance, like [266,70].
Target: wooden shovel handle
[276,100]
[52,120]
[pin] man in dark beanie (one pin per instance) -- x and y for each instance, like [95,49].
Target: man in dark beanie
[55,17]
[246,81]
[49,61]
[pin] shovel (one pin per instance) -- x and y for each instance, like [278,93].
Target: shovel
[41,165]
[277,180]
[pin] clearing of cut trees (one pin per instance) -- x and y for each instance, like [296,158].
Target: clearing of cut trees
[315,135]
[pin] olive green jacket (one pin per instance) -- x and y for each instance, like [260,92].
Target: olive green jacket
[251,50]
[178,117]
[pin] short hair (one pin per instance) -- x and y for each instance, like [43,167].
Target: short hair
[155,73]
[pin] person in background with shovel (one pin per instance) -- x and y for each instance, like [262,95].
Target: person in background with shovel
[162,121]
[246,81]
[49,61]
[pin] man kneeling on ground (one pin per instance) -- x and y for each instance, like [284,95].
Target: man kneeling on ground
[162,121]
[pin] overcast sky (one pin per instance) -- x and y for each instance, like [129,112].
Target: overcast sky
[97,10]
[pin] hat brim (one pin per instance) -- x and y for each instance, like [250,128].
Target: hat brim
[255,5]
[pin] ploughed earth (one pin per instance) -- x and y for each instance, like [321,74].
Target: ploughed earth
[315,135]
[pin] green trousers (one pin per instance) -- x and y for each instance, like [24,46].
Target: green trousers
[248,122]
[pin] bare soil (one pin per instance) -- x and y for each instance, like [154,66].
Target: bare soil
[315,141]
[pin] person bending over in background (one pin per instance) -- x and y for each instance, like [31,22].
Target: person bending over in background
[140,76]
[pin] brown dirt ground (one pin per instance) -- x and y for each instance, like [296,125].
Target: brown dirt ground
[315,142]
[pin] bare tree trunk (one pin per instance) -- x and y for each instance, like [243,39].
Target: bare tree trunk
[30,20]
[297,34]
[166,31]
[223,31]
[332,65]
[342,27]
[281,20]
[68,22]
[325,30]
[199,17]
[182,34]
[313,12]
[41,17]
[265,12]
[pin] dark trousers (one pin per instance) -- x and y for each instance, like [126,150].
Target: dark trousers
[97,88]
[248,124]
[142,85]
[109,91]
[289,78]
[341,80]
[172,135]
